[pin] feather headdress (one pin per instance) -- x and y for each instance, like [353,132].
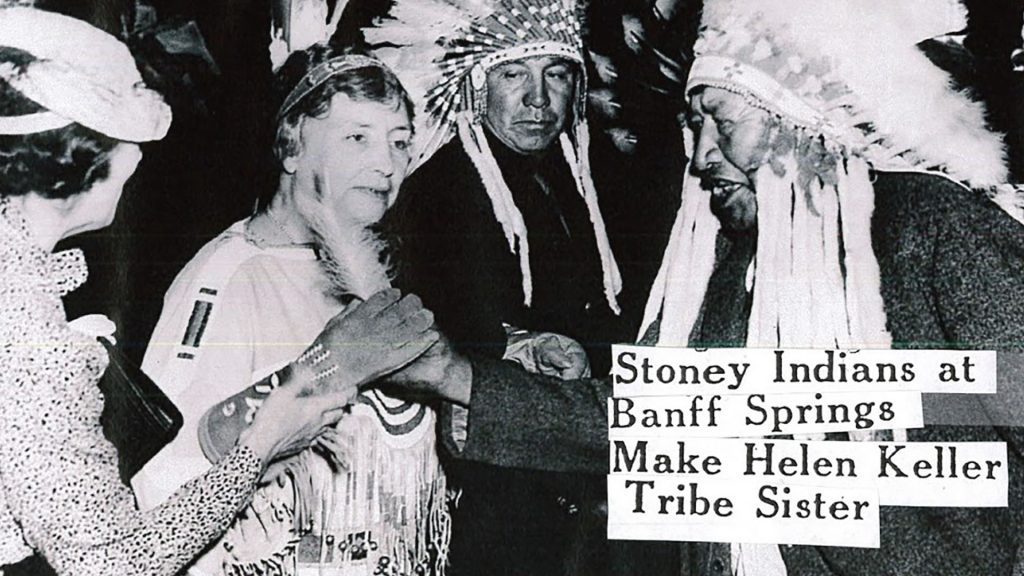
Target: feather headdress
[435,46]
[442,50]
[299,24]
[853,74]
[845,75]
[851,79]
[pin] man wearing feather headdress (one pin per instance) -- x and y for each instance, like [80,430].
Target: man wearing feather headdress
[835,199]
[369,499]
[501,202]
[840,195]
[499,230]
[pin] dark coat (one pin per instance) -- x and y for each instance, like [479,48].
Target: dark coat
[952,269]
[452,252]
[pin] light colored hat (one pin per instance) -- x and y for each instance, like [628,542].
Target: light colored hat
[851,71]
[80,74]
[442,49]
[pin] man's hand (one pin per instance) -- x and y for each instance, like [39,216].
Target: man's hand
[439,372]
[548,353]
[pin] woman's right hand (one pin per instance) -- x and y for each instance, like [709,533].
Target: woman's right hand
[290,419]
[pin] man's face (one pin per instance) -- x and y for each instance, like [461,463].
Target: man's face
[731,140]
[529,101]
[355,158]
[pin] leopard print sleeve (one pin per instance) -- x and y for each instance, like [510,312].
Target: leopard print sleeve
[59,474]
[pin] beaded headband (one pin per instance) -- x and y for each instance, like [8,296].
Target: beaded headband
[324,72]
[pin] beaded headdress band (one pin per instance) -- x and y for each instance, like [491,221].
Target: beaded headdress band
[80,75]
[322,73]
[442,51]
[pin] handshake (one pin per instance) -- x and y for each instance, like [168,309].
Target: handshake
[286,411]
[387,340]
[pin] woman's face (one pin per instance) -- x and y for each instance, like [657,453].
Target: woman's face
[360,153]
[98,205]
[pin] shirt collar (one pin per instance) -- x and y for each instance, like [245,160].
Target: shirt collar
[64,271]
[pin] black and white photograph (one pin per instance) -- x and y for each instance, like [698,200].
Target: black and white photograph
[512,288]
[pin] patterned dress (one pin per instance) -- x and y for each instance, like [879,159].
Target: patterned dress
[60,493]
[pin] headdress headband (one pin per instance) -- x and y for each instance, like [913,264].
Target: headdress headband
[529,50]
[80,74]
[324,72]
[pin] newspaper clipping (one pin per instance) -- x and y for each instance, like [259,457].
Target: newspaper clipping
[512,287]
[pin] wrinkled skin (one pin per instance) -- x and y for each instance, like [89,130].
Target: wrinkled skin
[529,102]
[731,142]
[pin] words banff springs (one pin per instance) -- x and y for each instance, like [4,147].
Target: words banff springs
[696,451]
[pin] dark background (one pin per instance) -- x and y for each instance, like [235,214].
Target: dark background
[210,169]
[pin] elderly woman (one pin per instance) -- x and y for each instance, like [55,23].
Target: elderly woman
[342,149]
[72,110]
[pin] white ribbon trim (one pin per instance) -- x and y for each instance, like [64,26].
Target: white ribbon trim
[32,123]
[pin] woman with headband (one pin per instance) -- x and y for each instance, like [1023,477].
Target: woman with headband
[73,109]
[372,499]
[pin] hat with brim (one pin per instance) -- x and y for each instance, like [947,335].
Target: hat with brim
[80,74]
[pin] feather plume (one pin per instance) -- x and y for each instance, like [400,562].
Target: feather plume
[351,254]
[308,22]
[354,265]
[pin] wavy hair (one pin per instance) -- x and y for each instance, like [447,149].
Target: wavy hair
[53,164]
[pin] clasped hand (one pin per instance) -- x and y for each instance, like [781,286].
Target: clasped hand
[366,341]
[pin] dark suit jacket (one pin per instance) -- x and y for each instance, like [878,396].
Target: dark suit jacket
[453,253]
